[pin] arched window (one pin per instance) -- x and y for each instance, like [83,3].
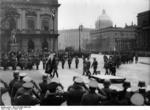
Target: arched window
[30,45]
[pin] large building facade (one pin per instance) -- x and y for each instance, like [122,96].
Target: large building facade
[29,25]
[143,38]
[72,38]
[106,38]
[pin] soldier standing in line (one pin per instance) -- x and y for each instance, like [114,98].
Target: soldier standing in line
[76,62]
[94,65]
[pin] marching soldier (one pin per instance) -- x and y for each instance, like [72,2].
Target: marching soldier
[76,61]
[94,65]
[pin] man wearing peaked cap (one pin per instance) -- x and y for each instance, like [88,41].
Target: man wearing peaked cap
[91,97]
[75,92]
[17,85]
[26,95]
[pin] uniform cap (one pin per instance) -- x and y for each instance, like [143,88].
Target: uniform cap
[93,84]
[28,85]
[23,74]
[16,72]
[141,84]
[137,99]
[45,76]
[27,79]
[78,80]
[107,82]
[126,84]
[55,80]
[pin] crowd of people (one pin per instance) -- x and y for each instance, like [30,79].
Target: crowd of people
[23,90]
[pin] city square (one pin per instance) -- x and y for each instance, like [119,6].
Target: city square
[56,52]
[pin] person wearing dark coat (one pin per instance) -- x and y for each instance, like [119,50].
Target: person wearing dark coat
[54,95]
[12,82]
[88,65]
[49,68]
[91,97]
[17,85]
[76,62]
[43,86]
[55,63]
[94,65]
[26,97]
[75,92]
[3,89]
[63,61]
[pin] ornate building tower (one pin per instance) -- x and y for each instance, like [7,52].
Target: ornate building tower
[30,24]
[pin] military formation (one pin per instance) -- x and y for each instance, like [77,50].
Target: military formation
[24,91]
[22,60]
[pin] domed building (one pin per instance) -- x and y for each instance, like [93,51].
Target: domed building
[103,21]
[107,39]
[35,23]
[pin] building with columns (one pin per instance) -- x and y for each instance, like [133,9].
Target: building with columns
[31,24]
[109,38]
[143,30]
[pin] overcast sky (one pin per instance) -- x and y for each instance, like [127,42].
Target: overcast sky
[72,13]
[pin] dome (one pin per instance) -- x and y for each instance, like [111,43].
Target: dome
[103,21]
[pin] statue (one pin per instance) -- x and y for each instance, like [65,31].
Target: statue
[13,37]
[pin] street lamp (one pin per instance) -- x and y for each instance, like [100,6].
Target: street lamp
[80,30]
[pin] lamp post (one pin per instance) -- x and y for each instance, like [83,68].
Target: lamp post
[80,30]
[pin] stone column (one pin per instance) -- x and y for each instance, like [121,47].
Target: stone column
[38,21]
[23,19]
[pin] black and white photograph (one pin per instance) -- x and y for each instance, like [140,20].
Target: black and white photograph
[74,53]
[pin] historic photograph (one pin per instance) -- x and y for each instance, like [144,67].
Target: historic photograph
[74,52]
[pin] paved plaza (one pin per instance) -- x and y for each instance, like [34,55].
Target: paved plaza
[132,72]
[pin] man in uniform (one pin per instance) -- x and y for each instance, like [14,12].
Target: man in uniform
[91,97]
[69,61]
[88,65]
[12,82]
[17,85]
[76,61]
[94,65]
[43,86]
[27,97]
[75,92]
[3,89]
[63,61]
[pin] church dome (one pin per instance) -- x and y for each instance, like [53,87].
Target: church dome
[103,21]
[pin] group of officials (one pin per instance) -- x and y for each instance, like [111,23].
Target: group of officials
[23,90]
